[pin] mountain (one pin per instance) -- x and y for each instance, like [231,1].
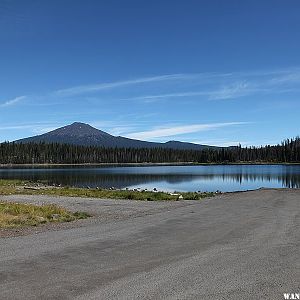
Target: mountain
[86,135]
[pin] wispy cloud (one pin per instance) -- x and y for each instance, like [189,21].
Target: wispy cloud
[286,78]
[82,89]
[34,127]
[120,130]
[231,91]
[225,92]
[196,86]
[109,85]
[41,130]
[12,101]
[179,130]
[152,98]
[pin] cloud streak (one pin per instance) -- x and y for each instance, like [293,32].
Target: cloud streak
[232,91]
[12,101]
[152,98]
[110,85]
[196,86]
[179,130]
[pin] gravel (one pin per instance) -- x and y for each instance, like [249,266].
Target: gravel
[232,246]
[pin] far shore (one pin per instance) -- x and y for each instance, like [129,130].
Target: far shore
[144,164]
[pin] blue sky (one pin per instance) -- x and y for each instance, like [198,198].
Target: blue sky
[210,72]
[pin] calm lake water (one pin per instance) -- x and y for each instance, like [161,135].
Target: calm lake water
[167,178]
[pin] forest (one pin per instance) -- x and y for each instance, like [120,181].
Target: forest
[41,153]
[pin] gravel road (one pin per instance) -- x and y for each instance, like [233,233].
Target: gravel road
[233,246]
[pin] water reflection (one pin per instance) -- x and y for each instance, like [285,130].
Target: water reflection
[185,178]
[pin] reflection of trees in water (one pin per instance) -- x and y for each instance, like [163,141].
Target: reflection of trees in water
[288,180]
[94,179]
[81,179]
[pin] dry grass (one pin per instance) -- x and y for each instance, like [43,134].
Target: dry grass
[19,215]
[8,187]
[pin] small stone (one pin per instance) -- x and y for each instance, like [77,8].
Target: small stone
[55,216]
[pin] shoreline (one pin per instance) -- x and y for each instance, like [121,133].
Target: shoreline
[146,164]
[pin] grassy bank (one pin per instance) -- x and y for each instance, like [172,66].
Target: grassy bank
[123,194]
[18,215]
[8,187]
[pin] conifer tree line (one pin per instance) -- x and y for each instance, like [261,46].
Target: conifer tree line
[40,153]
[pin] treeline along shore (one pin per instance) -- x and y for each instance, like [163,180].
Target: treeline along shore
[55,153]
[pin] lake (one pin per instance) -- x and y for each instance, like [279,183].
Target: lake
[168,178]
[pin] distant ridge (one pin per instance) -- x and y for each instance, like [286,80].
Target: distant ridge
[86,135]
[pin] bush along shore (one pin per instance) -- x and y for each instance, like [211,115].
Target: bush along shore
[8,187]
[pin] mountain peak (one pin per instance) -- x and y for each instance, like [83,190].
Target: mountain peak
[79,124]
[78,129]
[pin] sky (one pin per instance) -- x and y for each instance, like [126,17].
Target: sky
[206,71]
